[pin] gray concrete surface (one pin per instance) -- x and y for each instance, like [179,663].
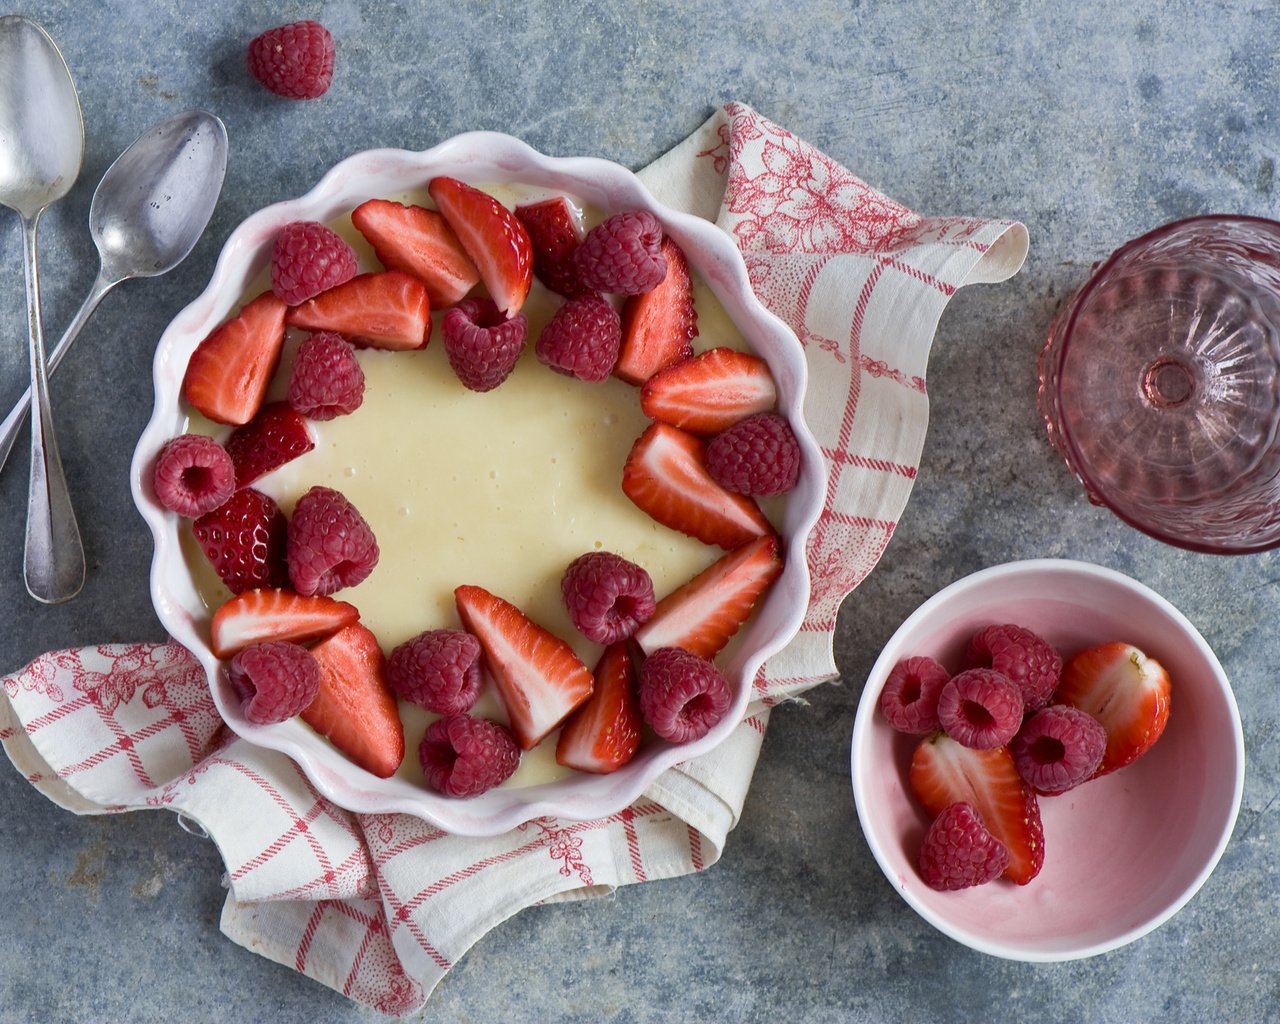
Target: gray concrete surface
[1091,122]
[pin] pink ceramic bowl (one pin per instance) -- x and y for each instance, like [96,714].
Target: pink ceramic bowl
[482,158]
[1122,853]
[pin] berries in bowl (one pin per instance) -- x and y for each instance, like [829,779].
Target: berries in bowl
[1047,760]
[455,390]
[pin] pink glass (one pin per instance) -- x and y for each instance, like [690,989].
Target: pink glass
[1160,384]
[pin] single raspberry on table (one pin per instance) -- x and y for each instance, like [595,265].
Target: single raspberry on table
[623,255]
[909,699]
[327,379]
[245,540]
[294,60]
[682,696]
[758,456]
[193,475]
[980,708]
[483,344]
[307,259]
[607,596]
[1058,747]
[1021,655]
[438,670]
[959,852]
[274,680]
[330,544]
[464,756]
[582,340]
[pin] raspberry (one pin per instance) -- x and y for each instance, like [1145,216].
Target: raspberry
[623,255]
[245,540]
[607,596]
[482,344]
[1033,665]
[330,544]
[307,259]
[294,60]
[438,670]
[958,851]
[980,708]
[193,475]
[327,379]
[681,695]
[1058,747]
[758,455]
[909,700]
[463,756]
[275,680]
[582,340]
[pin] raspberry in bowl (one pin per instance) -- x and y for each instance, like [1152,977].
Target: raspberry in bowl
[1113,833]
[480,480]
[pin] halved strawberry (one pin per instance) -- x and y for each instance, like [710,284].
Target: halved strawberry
[710,392]
[1128,692]
[355,707]
[604,733]
[703,615]
[943,772]
[387,310]
[228,374]
[246,541]
[419,242]
[658,326]
[555,232]
[278,434]
[539,678]
[493,237]
[275,614]
[666,475]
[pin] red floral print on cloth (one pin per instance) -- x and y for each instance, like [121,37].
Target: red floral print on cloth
[125,667]
[562,845]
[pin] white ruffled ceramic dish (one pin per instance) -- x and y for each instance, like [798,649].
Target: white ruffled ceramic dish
[482,158]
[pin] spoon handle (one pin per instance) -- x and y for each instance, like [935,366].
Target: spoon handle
[53,565]
[12,423]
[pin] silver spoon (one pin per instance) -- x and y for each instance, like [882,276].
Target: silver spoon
[41,149]
[148,212]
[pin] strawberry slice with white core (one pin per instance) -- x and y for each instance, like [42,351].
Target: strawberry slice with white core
[943,772]
[229,372]
[704,614]
[493,237]
[658,326]
[710,392]
[1125,690]
[389,310]
[666,476]
[275,614]
[604,733]
[420,242]
[355,708]
[539,678]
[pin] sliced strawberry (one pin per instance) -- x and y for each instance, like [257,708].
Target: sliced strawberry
[246,541]
[1128,692]
[493,237]
[604,733]
[539,677]
[387,310]
[228,374]
[658,326]
[710,392]
[419,242]
[355,707]
[555,232]
[704,614]
[276,614]
[943,772]
[278,434]
[666,475]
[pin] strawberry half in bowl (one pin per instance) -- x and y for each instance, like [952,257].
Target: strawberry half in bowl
[1100,862]
[462,494]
